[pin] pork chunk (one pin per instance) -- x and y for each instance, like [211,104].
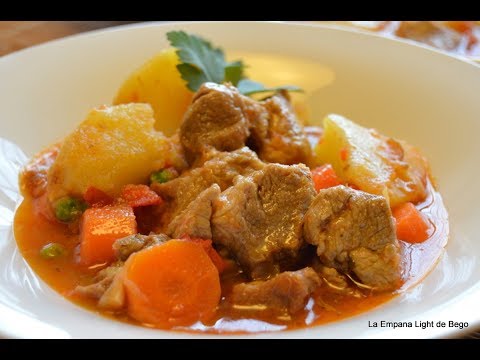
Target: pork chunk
[215,118]
[287,292]
[285,141]
[259,219]
[213,167]
[222,118]
[128,245]
[354,232]
[107,287]
[194,220]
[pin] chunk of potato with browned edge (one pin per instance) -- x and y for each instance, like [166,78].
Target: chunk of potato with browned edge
[112,147]
[373,162]
[158,83]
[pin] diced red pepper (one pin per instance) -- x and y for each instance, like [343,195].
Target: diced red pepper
[96,197]
[217,260]
[140,195]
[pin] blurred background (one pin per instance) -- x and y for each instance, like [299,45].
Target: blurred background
[459,37]
[16,35]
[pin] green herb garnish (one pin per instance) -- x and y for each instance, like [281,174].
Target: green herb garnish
[234,72]
[248,87]
[200,62]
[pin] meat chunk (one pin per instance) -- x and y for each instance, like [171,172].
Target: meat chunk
[285,141]
[225,166]
[380,269]
[285,293]
[213,167]
[259,219]
[222,118]
[215,118]
[354,232]
[105,279]
[128,245]
[194,220]
[114,296]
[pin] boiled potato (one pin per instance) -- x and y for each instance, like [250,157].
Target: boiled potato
[159,84]
[112,147]
[372,162]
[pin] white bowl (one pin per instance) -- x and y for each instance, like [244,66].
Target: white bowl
[406,91]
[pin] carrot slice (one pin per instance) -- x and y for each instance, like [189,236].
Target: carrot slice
[411,226]
[325,177]
[171,284]
[96,197]
[99,229]
[140,195]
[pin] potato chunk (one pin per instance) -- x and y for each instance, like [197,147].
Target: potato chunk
[112,147]
[158,83]
[373,162]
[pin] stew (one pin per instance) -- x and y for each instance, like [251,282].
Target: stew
[208,206]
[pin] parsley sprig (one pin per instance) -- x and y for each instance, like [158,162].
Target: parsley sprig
[200,62]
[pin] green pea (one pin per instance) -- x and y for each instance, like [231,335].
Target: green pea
[52,250]
[164,175]
[68,209]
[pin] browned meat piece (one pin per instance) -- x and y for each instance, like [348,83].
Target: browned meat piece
[216,119]
[354,232]
[285,141]
[222,118]
[194,220]
[380,268]
[214,167]
[260,218]
[128,245]
[287,292]
[114,296]
[430,33]
[225,166]
[103,281]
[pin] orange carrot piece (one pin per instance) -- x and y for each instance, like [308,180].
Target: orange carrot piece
[344,154]
[140,195]
[171,284]
[411,226]
[96,197]
[325,177]
[99,229]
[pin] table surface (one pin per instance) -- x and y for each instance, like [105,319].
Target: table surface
[16,35]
